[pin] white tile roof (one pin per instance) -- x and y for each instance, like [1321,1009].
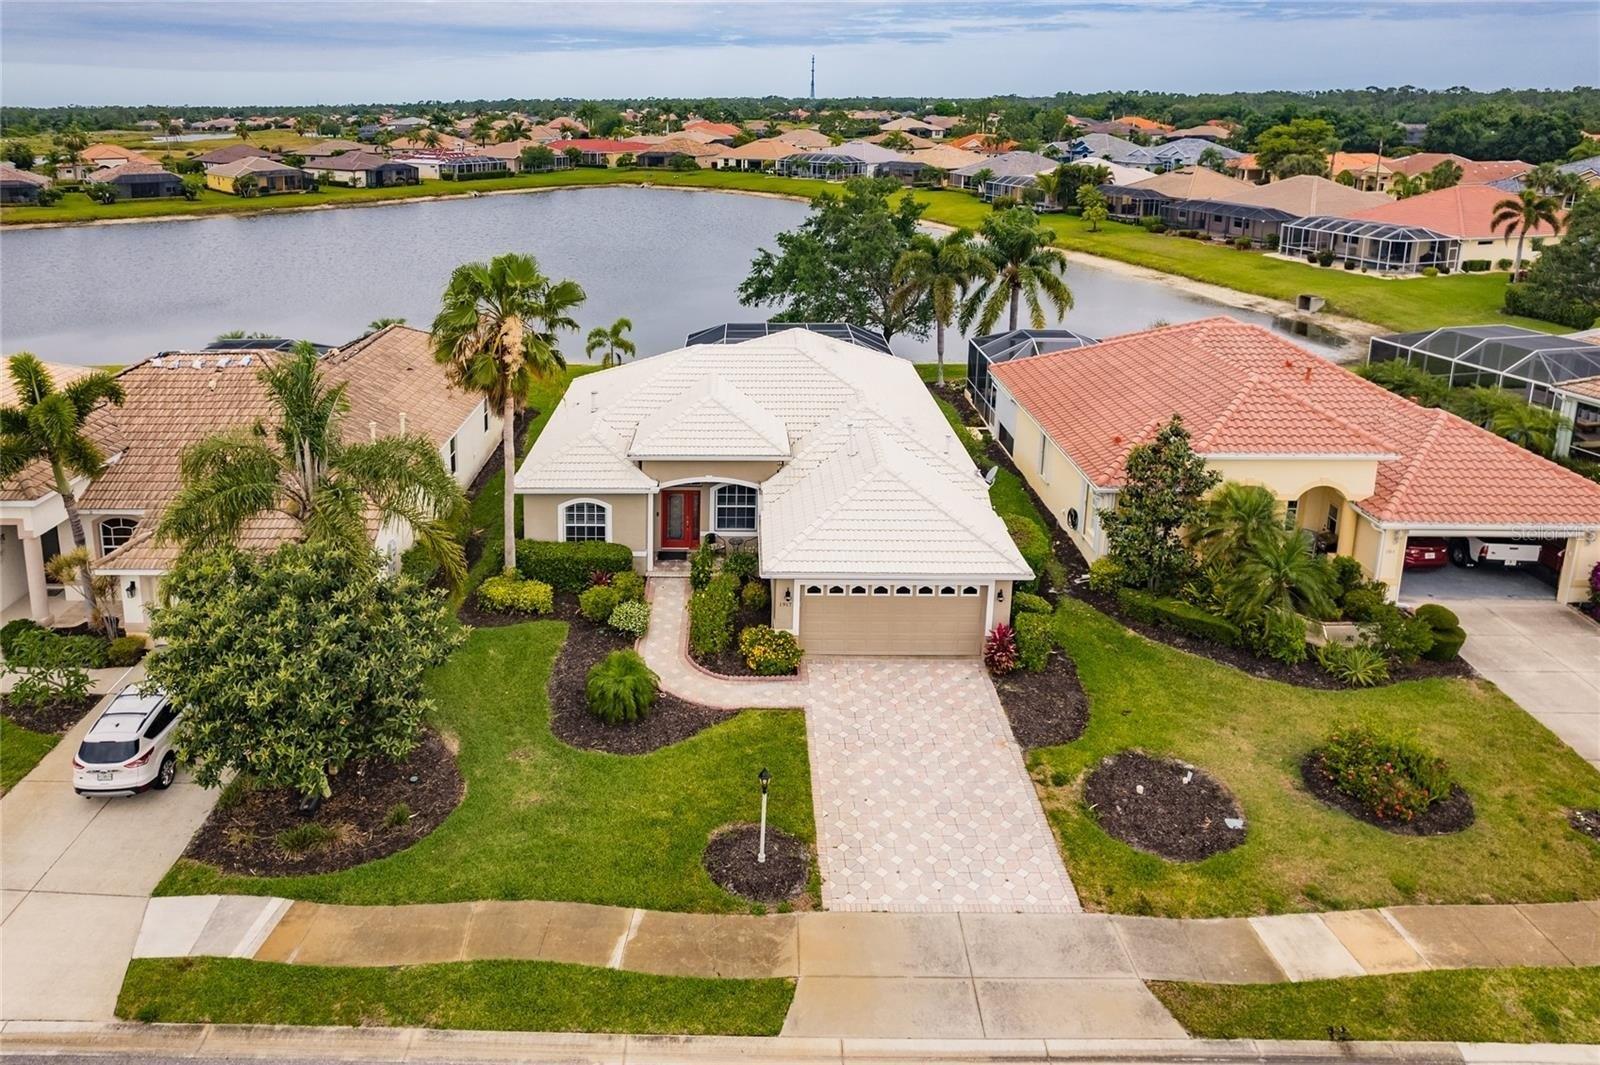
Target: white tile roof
[827,512]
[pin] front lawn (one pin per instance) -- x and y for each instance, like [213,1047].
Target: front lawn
[1464,1005]
[20,750]
[542,820]
[1299,854]
[534,996]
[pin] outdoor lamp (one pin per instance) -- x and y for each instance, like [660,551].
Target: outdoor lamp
[761,848]
[132,590]
[788,594]
[999,595]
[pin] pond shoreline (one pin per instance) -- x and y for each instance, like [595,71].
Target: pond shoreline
[1354,331]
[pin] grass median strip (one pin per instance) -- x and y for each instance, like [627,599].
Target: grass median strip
[1299,854]
[1463,1005]
[542,820]
[482,995]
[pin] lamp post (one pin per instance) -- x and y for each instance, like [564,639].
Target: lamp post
[761,850]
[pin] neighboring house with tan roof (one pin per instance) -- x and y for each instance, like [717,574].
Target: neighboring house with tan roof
[269,174]
[1260,211]
[20,186]
[178,398]
[232,154]
[805,138]
[870,521]
[669,149]
[1473,171]
[138,181]
[1361,468]
[756,155]
[361,170]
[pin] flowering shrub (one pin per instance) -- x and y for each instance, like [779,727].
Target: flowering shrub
[1392,778]
[631,616]
[511,595]
[770,652]
[1000,650]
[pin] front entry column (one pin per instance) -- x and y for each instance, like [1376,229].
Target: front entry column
[38,594]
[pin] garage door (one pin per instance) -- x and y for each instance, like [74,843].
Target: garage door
[889,624]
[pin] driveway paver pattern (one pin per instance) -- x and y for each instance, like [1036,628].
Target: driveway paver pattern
[921,798]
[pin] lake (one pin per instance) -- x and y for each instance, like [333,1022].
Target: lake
[670,260]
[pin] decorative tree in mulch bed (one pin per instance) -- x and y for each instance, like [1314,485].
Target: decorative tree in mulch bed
[730,859]
[1587,822]
[1387,781]
[1164,807]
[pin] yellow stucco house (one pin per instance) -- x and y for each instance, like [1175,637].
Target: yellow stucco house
[1363,469]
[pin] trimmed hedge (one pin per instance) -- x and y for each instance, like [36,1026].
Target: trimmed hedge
[1028,603]
[1448,635]
[1034,641]
[567,567]
[711,614]
[1437,617]
[1031,542]
[508,595]
[1475,266]
[597,602]
[1175,613]
[37,646]
[125,651]
[1529,302]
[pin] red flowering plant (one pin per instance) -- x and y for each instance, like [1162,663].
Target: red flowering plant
[1392,778]
[1000,650]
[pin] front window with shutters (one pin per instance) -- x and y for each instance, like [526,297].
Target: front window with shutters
[583,521]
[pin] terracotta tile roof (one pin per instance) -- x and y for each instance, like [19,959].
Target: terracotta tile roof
[945,157]
[1473,171]
[1140,122]
[1583,386]
[112,153]
[719,129]
[805,138]
[1307,194]
[1460,211]
[979,142]
[232,154]
[601,144]
[9,173]
[915,141]
[1243,390]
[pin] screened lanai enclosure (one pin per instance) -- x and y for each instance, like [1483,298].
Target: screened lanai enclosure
[1131,203]
[1558,372]
[1382,246]
[833,166]
[985,351]
[1013,187]
[1218,218]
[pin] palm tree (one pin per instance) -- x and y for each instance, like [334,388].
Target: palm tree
[1280,571]
[514,130]
[1548,177]
[1025,266]
[482,130]
[383,323]
[1523,213]
[1525,425]
[47,425]
[302,467]
[941,271]
[496,333]
[1049,185]
[242,132]
[429,137]
[1234,517]
[613,340]
[1445,174]
[1404,186]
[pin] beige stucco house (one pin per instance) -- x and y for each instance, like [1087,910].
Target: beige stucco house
[1360,467]
[830,459]
[177,398]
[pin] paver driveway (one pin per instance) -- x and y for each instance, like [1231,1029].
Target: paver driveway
[921,797]
[1545,656]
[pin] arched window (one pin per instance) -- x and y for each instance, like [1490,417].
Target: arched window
[735,508]
[114,532]
[585,520]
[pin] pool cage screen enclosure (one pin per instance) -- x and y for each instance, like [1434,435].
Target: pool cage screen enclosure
[1382,246]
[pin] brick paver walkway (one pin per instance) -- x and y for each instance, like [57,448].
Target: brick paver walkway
[665,648]
[921,797]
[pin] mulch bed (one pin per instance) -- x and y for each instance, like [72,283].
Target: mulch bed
[729,662]
[243,837]
[565,608]
[671,720]
[1451,814]
[730,859]
[56,718]
[1047,708]
[1171,819]
[1587,822]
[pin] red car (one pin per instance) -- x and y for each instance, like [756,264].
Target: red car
[1426,552]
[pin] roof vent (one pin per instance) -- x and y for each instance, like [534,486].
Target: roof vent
[594,400]
[854,438]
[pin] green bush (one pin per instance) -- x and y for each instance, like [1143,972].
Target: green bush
[418,564]
[568,567]
[621,688]
[1196,621]
[1347,575]
[1055,576]
[1149,223]
[125,651]
[51,681]
[1031,541]
[14,629]
[1474,266]
[303,838]
[1504,264]
[770,652]
[38,646]
[1392,778]
[1437,617]
[1356,664]
[1034,640]
[512,595]
[1430,271]
[1530,302]
[1280,635]
[1028,603]
[1325,257]
[744,564]
[628,585]
[1446,644]
[1105,575]
[597,602]
[702,566]
[711,613]
[754,595]
[1398,637]
[1138,605]
[631,616]
[1360,604]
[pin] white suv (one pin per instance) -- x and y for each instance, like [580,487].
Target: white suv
[130,748]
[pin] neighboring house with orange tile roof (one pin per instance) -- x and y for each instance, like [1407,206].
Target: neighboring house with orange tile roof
[112,155]
[721,131]
[983,143]
[178,398]
[1357,466]
[1473,171]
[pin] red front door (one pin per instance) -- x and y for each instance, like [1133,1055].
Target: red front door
[680,519]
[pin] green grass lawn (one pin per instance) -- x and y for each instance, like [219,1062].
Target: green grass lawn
[533,996]
[1414,303]
[1466,1005]
[1299,854]
[20,751]
[542,820]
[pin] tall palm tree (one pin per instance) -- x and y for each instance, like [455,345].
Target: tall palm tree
[613,340]
[1523,213]
[302,467]
[1404,186]
[482,130]
[430,137]
[940,271]
[1233,518]
[1550,178]
[1525,425]
[1280,571]
[47,425]
[1049,185]
[497,334]
[514,130]
[1026,267]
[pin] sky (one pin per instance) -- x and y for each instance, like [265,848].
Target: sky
[205,52]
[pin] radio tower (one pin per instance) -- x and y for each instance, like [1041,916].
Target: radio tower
[813,79]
